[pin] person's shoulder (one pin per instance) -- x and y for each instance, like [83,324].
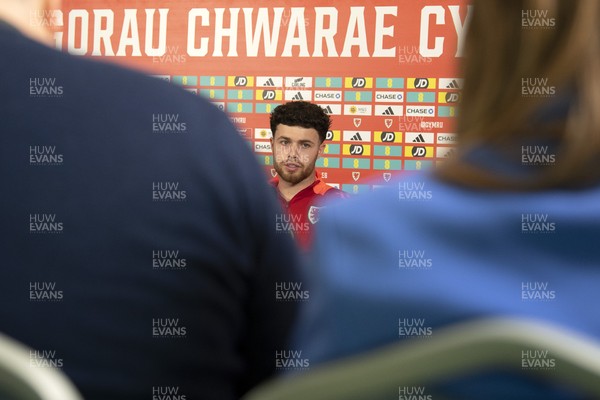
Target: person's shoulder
[145,87]
[410,193]
[331,192]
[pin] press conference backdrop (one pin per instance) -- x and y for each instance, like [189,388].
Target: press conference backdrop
[386,71]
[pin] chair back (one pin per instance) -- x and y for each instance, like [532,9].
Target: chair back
[19,380]
[452,352]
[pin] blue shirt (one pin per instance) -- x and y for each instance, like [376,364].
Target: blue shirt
[420,254]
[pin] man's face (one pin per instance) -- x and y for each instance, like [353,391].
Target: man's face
[295,152]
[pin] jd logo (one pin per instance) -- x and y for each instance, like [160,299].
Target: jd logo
[356,149]
[452,97]
[240,81]
[359,82]
[418,151]
[421,83]
[268,95]
[388,136]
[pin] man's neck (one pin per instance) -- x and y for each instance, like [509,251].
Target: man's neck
[289,190]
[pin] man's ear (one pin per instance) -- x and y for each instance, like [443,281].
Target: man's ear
[322,148]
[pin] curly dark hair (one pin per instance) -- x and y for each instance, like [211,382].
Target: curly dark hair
[301,113]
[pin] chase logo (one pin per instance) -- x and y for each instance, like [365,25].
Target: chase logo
[262,147]
[422,111]
[328,95]
[446,138]
[359,83]
[421,83]
[162,77]
[389,97]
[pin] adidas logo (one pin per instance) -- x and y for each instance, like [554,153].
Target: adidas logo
[453,85]
[388,111]
[356,137]
[327,110]
[419,139]
[298,96]
[269,82]
[450,153]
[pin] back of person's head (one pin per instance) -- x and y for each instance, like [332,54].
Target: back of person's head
[33,18]
[303,114]
[532,77]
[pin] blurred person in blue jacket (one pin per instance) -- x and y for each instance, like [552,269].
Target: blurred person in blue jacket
[137,232]
[507,227]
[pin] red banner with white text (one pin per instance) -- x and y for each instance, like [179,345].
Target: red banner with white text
[386,71]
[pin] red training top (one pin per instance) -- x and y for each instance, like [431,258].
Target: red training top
[302,212]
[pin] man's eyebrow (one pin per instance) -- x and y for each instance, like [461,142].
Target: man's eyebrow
[299,141]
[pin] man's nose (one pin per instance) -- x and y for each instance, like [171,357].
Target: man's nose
[294,150]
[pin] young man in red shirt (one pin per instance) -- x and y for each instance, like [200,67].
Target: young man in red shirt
[299,129]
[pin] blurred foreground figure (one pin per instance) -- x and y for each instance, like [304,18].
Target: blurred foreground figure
[138,242]
[508,227]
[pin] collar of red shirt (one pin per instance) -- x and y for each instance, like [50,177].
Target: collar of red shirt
[318,187]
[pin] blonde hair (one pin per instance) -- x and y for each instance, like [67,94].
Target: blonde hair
[500,51]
